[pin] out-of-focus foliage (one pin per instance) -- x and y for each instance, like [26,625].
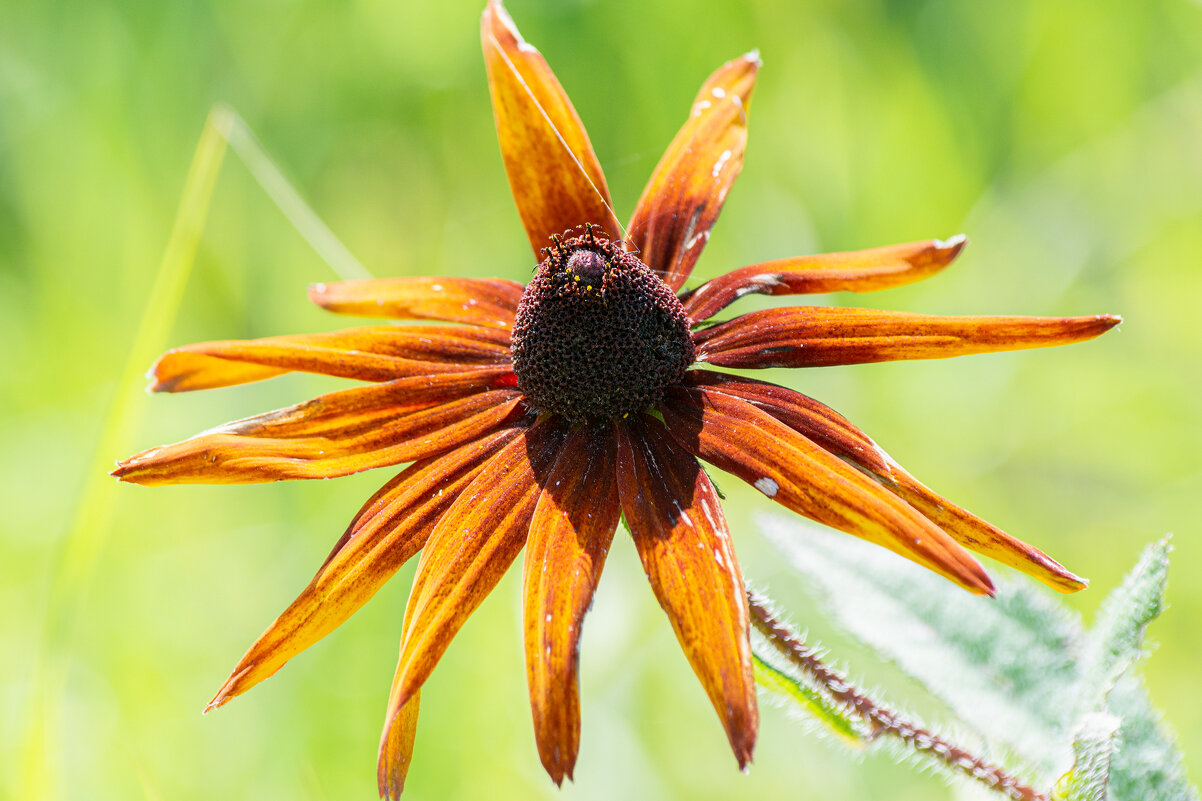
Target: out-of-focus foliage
[1067,716]
[1062,137]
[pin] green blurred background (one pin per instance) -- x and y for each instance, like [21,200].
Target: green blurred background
[1064,137]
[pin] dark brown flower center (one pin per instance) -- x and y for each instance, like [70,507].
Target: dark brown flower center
[597,335]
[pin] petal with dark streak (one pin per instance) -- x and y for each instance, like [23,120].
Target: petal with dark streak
[813,336]
[387,531]
[830,430]
[570,536]
[469,550]
[672,220]
[676,520]
[553,172]
[737,437]
[854,271]
[372,353]
[490,302]
[313,441]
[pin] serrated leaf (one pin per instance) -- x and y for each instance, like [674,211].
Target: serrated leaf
[1018,667]
[1147,765]
[1006,665]
[1093,747]
[1116,640]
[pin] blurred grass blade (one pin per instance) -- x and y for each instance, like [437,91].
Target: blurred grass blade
[306,222]
[91,522]
[1093,747]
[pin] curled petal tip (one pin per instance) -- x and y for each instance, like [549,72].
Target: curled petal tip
[498,8]
[951,246]
[977,581]
[561,770]
[1071,583]
[753,56]
[743,755]
[968,573]
[1095,325]
[218,701]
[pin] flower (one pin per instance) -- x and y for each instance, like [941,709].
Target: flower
[535,417]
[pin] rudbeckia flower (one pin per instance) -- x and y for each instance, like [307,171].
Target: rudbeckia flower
[538,416]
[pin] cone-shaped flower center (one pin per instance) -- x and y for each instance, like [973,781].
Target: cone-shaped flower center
[597,335]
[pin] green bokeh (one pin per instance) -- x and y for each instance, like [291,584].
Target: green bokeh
[1065,138]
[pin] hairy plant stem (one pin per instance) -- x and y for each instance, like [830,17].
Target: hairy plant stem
[879,719]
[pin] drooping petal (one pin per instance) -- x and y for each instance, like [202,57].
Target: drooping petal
[833,432]
[334,435]
[672,220]
[812,336]
[553,172]
[490,302]
[570,536]
[387,531]
[980,536]
[467,553]
[396,749]
[817,422]
[675,517]
[373,353]
[854,271]
[737,437]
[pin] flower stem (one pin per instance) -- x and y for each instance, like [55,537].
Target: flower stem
[879,719]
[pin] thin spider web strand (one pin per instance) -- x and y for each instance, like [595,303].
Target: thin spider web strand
[289,201]
[526,88]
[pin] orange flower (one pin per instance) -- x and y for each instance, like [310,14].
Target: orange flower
[546,412]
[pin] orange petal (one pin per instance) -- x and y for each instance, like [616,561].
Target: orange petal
[854,271]
[374,353]
[389,529]
[672,220]
[676,520]
[469,550]
[980,536]
[569,538]
[553,172]
[396,749]
[306,441]
[490,302]
[816,421]
[739,438]
[833,432]
[812,336]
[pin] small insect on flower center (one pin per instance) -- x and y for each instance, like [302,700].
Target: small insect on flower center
[597,335]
